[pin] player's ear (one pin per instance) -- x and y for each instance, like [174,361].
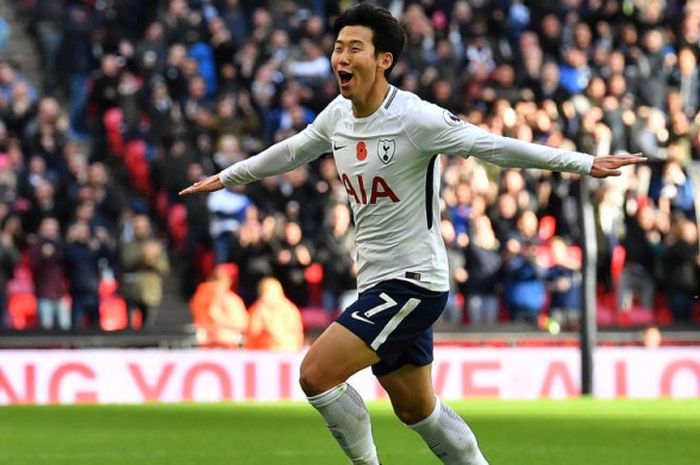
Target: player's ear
[386,60]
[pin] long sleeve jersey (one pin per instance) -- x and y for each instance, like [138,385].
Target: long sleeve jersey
[388,162]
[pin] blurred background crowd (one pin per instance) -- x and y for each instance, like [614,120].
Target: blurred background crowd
[138,99]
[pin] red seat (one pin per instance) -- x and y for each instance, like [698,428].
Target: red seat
[177,224]
[547,227]
[617,262]
[636,316]
[232,269]
[544,256]
[314,276]
[314,318]
[137,165]
[204,261]
[662,312]
[22,308]
[107,287]
[113,315]
[112,120]
[576,253]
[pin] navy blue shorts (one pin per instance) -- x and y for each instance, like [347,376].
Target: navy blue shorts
[395,319]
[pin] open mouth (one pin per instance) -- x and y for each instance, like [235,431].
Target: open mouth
[344,77]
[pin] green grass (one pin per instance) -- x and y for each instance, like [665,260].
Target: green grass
[578,432]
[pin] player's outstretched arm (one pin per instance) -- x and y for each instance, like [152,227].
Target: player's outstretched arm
[609,165]
[281,157]
[209,184]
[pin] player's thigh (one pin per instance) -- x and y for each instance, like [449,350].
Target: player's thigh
[410,389]
[333,358]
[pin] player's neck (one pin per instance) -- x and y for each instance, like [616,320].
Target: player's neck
[365,105]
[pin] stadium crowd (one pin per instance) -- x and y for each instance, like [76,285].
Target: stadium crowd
[139,99]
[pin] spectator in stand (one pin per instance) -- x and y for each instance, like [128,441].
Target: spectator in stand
[293,256]
[104,93]
[564,284]
[655,63]
[178,156]
[686,78]
[504,217]
[682,269]
[302,204]
[82,256]
[219,313]
[528,227]
[9,75]
[454,245]
[9,258]
[336,252]
[641,242]
[227,210]
[144,264]
[524,281]
[79,62]
[108,197]
[459,212]
[21,109]
[483,270]
[673,192]
[198,240]
[46,261]
[254,255]
[590,72]
[47,18]
[275,322]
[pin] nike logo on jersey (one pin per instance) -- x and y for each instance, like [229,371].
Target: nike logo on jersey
[356,315]
[338,147]
[388,303]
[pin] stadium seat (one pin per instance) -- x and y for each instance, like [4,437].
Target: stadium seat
[617,262]
[204,260]
[177,225]
[605,311]
[576,253]
[314,277]
[662,313]
[544,256]
[547,227]
[635,316]
[22,309]
[136,164]
[107,287]
[162,203]
[314,318]
[113,314]
[232,269]
[112,120]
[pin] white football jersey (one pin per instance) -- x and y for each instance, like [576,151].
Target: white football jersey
[389,165]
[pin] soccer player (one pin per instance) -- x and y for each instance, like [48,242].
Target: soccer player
[385,143]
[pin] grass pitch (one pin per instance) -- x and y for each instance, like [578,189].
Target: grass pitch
[577,432]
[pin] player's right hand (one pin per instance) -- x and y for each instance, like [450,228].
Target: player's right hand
[604,166]
[210,184]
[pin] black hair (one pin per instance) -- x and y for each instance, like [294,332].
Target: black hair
[387,33]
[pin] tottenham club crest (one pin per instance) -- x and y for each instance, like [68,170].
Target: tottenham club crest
[386,149]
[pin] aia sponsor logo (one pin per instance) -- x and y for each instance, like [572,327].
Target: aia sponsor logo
[368,192]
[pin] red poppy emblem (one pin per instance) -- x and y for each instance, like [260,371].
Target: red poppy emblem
[361,150]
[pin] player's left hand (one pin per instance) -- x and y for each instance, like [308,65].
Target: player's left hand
[210,184]
[609,165]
